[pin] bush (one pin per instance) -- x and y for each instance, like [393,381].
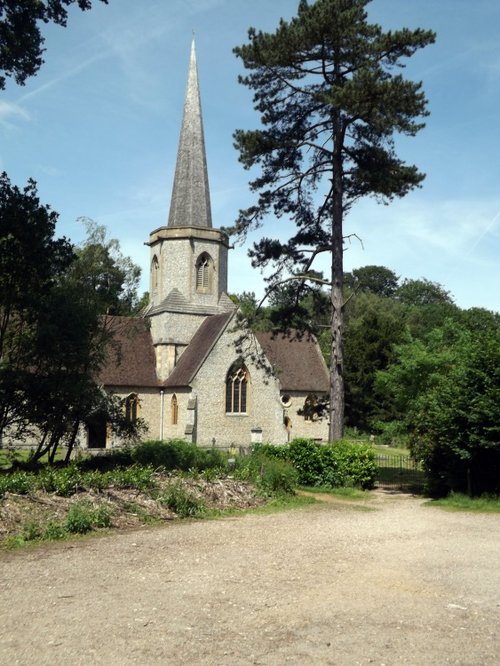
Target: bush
[332,465]
[64,481]
[19,483]
[79,518]
[176,454]
[182,502]
[267,471]
[83,516]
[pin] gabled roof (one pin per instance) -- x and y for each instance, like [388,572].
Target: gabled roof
[297,361]
[198,349]
[131,358]
[190,202]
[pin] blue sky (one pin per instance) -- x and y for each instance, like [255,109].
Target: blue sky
[98,130]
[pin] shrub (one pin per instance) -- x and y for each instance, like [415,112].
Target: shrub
[83,516]
[176,454]
[332,465]
[31,530]
[20,483]
[182,502]
[54,530]
[107,461]
[269,473]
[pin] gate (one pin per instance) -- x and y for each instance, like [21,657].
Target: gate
[400,472]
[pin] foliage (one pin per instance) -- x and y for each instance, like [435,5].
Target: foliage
[373,325]
[270,474]
[447,388]
[21,43]
[83,516]
[460,502]
[177,454]
[48,389]
[377,280]
[101,268]
[70,479]
[332,465]
[422,292]
[31,262]
[330,105]
[182,502]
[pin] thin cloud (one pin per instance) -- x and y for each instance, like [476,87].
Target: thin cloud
[10,110]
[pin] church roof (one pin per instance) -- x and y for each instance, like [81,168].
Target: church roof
[131,357]
[198,349]
[190,202]
[177,302]
[297,361]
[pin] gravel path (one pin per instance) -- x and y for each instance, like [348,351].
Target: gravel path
[388,582]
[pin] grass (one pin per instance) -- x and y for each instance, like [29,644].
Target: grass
[459,502]
[342,493]
[8,456]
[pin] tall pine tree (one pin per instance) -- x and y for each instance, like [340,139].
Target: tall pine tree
[331,101]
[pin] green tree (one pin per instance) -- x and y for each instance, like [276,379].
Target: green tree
[21,43]
[422,292]
[373,326]
[31,263]
[447,389]
[330,103]
[101,267]
[53,339]
[377,280]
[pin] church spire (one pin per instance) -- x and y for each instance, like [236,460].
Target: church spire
[190,202]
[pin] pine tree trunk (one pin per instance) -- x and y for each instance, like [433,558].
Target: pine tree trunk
[336,429]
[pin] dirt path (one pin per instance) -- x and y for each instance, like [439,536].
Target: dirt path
[388,582]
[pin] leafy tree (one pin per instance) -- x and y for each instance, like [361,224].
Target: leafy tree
[422,292]
[447,388]
[53,339]
[21,43]
[31,262]
[330,103]
[377,280]
[110,276]
[373,326]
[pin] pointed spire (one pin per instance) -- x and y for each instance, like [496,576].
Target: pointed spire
[190,203]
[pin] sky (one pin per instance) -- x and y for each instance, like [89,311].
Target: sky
[98,129]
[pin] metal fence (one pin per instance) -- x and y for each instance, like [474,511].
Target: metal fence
[400,472]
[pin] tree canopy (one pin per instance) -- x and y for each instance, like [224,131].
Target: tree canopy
[53,337]
[331,103]
[21,42]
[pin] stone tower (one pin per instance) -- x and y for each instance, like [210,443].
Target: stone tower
[188,279]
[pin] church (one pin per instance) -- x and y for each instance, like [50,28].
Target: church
[188,367]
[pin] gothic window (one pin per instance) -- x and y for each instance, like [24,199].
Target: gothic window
[174,410]
[204,273]
[155,269]
[310,410]
[237,389]
[132,408]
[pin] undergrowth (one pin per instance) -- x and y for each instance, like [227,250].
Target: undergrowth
[460,502]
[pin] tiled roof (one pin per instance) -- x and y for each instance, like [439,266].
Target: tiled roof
[198,349]
[131,357]
[297,361]
[176,302]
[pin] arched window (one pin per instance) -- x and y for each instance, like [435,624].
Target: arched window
[204,267]
[155,270]
[237,389]
[174,410]
[310,410]
[132,408]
